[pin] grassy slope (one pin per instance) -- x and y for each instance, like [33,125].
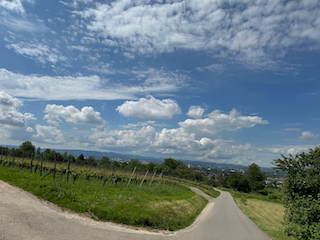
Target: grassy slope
[212,193]
[268,216]
[159,207]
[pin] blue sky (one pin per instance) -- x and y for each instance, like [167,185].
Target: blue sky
[210,80]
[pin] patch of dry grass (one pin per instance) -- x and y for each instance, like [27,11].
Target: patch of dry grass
[268,216]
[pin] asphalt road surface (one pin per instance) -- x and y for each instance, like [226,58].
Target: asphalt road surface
[24,217]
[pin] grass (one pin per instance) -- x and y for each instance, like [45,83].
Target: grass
[212,192]
[268,216]
[164,207]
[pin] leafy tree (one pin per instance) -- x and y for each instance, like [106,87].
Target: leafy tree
[302,191]
[105,162]
[116,164]
[38,154]
[255,177]
[80,159]
[91,161]
[27,148]
[238,181]
[72,158]
[150,166]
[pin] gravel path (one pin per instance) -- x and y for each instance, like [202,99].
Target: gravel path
[25,217]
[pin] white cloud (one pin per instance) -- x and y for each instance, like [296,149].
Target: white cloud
[217,121]
[78,48]
[149,107]
[38,52]
[286,150]
[70,114]
[14,5]
[23,25]
[195,112]
[216,67]
[183,141]
[306,136]
[89,87]
[141,124]
[292,129]
[256,33]
[49,134]
[9,115]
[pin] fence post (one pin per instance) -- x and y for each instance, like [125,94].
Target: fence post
[144,178]
[1,154]
[132,175]
[68,169]
[152,178]
[13,158]
[159,178]
[41,166]
[31,163]
[54,168]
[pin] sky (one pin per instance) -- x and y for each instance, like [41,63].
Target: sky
[221,81]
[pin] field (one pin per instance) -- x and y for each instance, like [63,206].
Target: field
[106,196]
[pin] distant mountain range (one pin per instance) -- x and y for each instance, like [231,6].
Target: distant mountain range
[128,157]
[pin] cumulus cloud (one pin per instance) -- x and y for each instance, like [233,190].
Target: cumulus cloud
[195,112]
[181,141]
[9,115]
[306,136]
[49,134]
[149,107]
[217,121]
[286,150]
[253,32]
[70,114]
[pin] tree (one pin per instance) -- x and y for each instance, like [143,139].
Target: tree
[302,191]
[80,159]
[105,162]
[91,161]
[27,148]
[38,154]
[238,181]
[255,177]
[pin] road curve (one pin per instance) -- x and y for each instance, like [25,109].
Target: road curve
[23,216]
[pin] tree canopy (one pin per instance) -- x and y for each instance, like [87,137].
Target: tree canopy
[302,190]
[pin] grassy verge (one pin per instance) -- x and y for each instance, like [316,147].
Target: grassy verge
[212,193]
[159,207]
[268,216]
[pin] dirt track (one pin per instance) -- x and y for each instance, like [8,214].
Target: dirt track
[23,216]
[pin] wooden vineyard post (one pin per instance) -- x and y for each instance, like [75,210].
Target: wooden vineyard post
[132,175]
[31,163]
[13,158]
[68,169]
[159,178]
[54,168]
[144,178]
[1,154]
[41,167]
[152,178]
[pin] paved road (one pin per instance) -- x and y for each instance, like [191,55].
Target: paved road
[24,217]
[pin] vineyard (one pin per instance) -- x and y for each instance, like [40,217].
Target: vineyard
[109,194]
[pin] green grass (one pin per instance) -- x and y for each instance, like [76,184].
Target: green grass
[268,216]
[165,207]
[212,193]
